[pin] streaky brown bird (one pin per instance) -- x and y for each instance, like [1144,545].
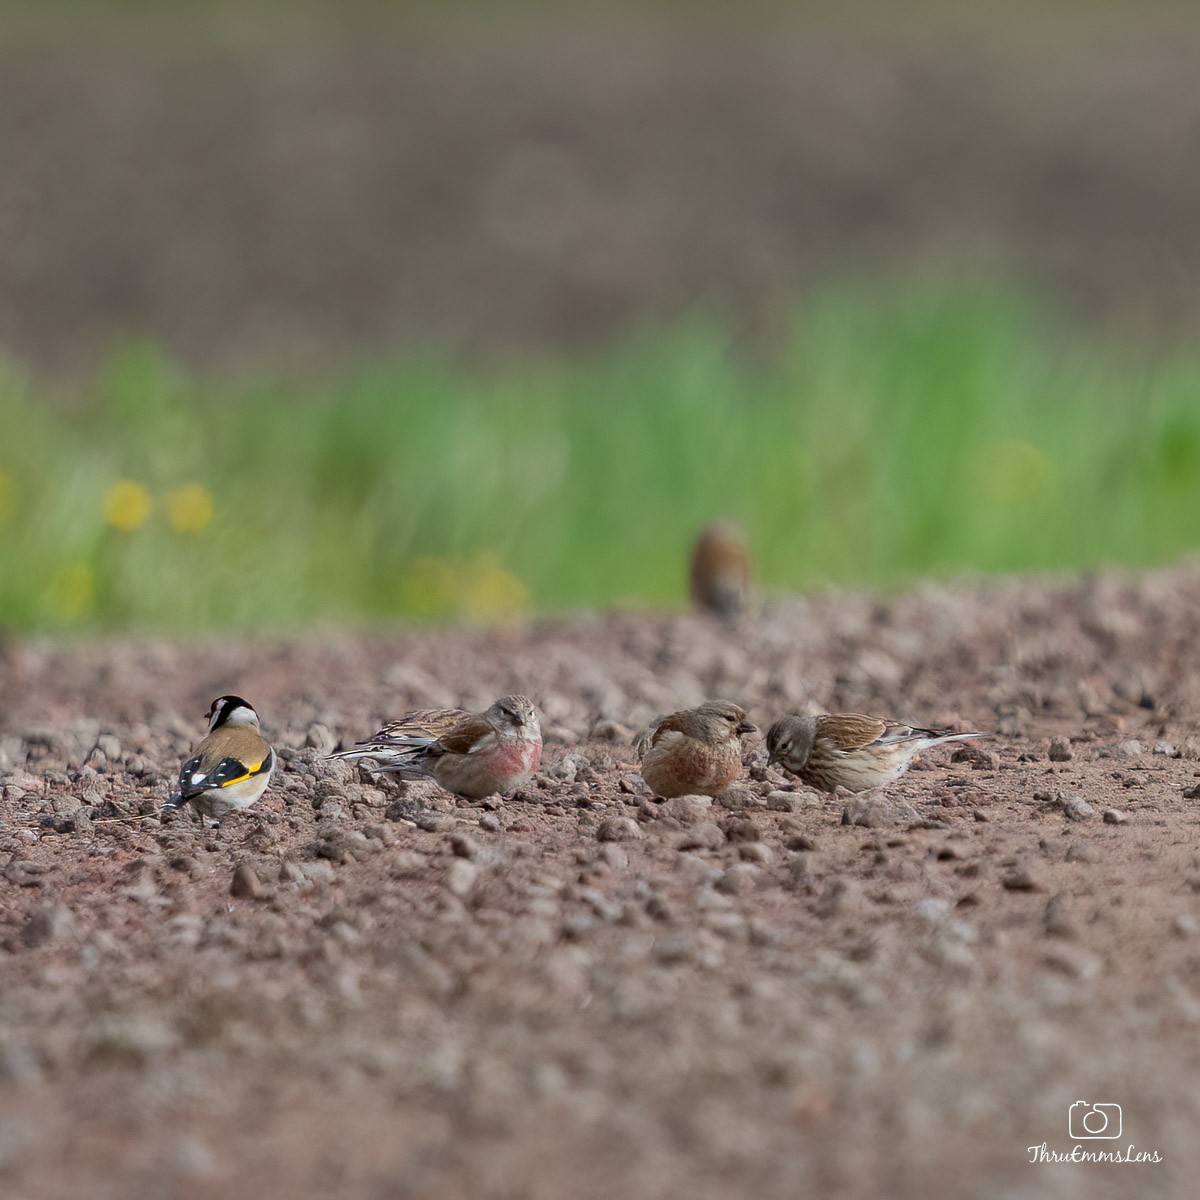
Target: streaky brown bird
[850,751]
[696,751]
[721,571]
[471,754]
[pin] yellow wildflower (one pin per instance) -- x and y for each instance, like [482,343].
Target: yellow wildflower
[1010,471]
[479,589]
[70,591]
[127,506]
[429,587]
[489,592]
[189,508]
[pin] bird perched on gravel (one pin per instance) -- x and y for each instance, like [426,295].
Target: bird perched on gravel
[470,754]
[697,751]
[721,571]
[850,751]
[231,767]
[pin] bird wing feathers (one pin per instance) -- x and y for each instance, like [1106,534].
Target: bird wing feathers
[224,758]
[676,722]
[400,741]
[852,731]
[469,734]
[420,727]
[856,731]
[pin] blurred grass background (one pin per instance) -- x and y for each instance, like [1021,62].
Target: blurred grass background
[900,433]
[359,312]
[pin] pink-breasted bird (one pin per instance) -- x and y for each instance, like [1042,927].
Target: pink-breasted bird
[470,754]
[850,751]
[721,571]
[697,751]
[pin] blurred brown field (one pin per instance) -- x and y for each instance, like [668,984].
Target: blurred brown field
[306,187]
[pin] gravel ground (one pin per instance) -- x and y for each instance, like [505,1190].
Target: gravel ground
[377,991]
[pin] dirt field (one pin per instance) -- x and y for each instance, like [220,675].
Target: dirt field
[581,991]
[300,195]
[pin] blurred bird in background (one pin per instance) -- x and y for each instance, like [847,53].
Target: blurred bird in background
[721,571]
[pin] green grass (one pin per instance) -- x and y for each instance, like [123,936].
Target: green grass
[898,435]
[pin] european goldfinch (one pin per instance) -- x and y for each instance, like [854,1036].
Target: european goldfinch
[471,754]
[850,751]
[697,751]
[231,767]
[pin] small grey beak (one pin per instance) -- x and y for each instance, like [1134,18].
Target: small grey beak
[745,728]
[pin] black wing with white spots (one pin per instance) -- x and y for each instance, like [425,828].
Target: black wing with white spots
[194,779]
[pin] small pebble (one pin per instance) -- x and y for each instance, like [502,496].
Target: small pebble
[756,852]
[687,810]
[320,872]
[406,862]
[433,822]
[980,758]
[880,812]
[1056,920]
[610,731]
[320,739]
[782,801]
[47,925]
[245,882]
[619,829]
[932,909]
[614,856]
[463,846]
[702,836]
[461,876]
[740,797]
[1020,879]
[1114,816]
[1060,750]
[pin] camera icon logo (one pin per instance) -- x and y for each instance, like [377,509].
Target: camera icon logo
[1086,1121]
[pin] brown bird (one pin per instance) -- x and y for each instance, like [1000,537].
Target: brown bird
[470,754]
[721,571]
[849,750]
[697,751]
